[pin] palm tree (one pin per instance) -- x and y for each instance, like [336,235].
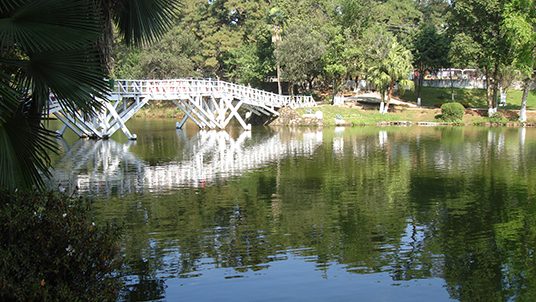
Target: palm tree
[59,47]
[393,68]
[277,19]
[398,68]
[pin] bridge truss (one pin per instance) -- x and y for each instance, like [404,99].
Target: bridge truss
[210,104]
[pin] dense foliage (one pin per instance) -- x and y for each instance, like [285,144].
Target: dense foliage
[51,250]
[452,112]
[495,36]
[320,44]
[316,43]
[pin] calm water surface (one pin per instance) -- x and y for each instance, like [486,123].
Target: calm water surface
[355,214]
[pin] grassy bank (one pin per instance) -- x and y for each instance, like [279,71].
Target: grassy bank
[470,98]
[432,98]
[159,109]
[358,117]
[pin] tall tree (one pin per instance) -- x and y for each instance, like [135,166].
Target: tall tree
[482,20]
[434,12]
[520,28]
[356,15]
[223,26]
[389,64]
[335,62]
[276,18]
[400,17]
[300,54]
[176,55]
[430,53]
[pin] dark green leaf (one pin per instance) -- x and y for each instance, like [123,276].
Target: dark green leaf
[143,21]
[24,147]
[50,25]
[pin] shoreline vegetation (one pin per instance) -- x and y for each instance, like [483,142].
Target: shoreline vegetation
[345,115]
[54,248]
[353,113]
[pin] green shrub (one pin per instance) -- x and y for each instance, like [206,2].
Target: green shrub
[498,118]
[452,112]
[51,250]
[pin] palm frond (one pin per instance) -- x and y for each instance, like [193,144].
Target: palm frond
[24,149]
[9,97]
[406,84]
[48,25]
[74,77]
[143,21]
[7,6]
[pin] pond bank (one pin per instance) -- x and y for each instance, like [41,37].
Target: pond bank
[399,116]
[355,115]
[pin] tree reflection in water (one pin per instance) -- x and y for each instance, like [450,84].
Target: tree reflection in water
[451,203]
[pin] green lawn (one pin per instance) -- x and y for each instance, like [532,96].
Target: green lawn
[359,117]
[474,98]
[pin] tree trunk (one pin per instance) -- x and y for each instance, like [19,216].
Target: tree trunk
[105,42]
[291,88]
[279,90]
[495,85]
[503,92]
[389,96]
[418,85]
[334,93]
[420,82]
[382,103]
[451,87]
[523,111]
[311,81]
[489,92]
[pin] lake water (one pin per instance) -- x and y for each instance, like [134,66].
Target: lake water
[355,214]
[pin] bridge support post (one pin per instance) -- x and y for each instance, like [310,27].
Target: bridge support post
[61,132]
[71,126]
[191,114]
[118,120]
[180,124]
[234,113]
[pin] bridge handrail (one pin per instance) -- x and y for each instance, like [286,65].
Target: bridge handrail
[205,87]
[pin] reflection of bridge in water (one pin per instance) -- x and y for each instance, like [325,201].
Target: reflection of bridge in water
[110,168]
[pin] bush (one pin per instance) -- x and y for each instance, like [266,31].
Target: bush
[50,250]
[452,112]
[498,118]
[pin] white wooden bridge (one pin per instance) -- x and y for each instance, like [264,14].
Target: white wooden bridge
[106,167]
[211,104]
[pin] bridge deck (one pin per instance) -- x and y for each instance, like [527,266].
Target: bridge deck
[209,103]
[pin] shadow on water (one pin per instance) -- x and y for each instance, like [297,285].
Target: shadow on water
[380,213]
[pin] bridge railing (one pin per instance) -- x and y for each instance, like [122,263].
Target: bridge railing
[207,87]
[53,104]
